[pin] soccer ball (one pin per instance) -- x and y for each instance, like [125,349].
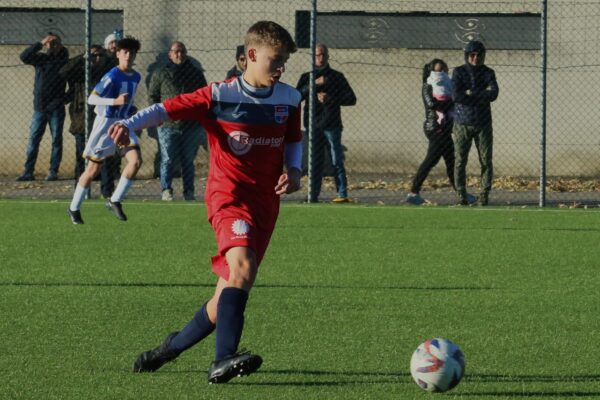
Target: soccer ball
[437,365]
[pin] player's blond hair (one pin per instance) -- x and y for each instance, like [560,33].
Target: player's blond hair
[269,33]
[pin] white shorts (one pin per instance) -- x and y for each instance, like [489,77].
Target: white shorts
[100,146]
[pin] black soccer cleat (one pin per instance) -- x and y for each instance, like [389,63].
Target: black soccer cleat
[238,364]
[75,216]
[117,209]
[152,360]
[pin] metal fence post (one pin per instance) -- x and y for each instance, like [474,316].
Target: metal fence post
[86,57]
[311,98]
[88,74]
[544,65]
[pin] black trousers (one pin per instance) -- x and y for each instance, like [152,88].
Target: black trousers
[440,146]
[79,160]
[111,170]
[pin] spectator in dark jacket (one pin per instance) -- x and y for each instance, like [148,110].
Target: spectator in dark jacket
[74,73]
[474,88]
[332,92]
[240,63]
[48,102]
[177,138]
[437,126]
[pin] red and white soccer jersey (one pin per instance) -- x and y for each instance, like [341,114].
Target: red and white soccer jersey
[246,129]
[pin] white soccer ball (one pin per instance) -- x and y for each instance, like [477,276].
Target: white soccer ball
[437,365]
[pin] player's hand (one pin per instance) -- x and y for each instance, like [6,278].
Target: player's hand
[119,133]
[122,99]
[322,97]
[320,81]
[289,182]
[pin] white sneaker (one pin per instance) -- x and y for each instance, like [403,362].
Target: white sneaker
[167,195]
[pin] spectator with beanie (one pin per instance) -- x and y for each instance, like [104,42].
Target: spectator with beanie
[110,43]
[474,88]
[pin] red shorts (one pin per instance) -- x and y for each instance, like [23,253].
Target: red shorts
[238,231]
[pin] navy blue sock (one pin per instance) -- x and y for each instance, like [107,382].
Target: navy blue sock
[197,329]
[230,321]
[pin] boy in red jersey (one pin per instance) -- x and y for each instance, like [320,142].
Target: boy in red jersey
[253,125]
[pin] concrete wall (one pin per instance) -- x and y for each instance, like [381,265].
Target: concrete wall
[383,133]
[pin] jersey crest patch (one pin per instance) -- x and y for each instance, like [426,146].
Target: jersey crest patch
[281,114]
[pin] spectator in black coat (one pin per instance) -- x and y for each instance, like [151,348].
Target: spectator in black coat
[332,92]
[474,89]
[436,92]
[48,102]
[74,73]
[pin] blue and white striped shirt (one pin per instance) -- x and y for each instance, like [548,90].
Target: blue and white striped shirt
[113,84]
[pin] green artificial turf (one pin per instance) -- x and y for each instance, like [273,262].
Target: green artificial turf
[344,296]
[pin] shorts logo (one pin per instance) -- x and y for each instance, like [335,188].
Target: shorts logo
[240,227]
[281,114]
[239,142]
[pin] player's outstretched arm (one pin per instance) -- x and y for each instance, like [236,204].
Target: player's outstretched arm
[151,116]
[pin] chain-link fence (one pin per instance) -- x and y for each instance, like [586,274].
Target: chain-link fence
[380,47]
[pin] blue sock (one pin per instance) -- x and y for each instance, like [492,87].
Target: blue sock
[230,321]
[197,329]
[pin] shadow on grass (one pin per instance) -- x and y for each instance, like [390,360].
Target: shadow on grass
[107,284]
[531,394]
[299,379]
[334,373]
[211,285]
[447,228]
[496,378]
[532,378]
[313,378]
[468,377]
[370,378]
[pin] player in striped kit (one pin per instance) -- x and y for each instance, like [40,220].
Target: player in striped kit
[253,125]
[113,97]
